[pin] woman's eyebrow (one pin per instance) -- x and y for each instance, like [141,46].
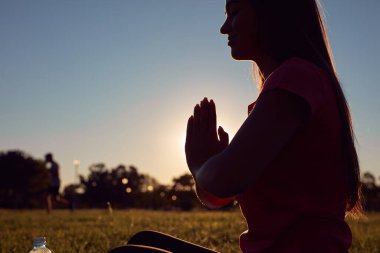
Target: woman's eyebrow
[229,3]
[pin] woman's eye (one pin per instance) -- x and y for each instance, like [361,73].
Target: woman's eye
[233,13]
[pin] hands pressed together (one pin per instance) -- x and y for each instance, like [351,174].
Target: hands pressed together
[202,140]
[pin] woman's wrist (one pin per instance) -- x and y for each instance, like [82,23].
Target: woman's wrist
[210,200]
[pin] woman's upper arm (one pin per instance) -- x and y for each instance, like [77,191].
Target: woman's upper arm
[277,116]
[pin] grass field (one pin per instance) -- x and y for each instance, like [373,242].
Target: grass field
[97,231]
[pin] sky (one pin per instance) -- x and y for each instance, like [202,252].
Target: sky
[115,81]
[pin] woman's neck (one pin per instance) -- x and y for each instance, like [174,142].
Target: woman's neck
[267,65]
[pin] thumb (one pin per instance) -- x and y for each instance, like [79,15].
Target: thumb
[223,137]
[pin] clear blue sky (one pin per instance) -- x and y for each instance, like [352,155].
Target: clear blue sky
[115,81]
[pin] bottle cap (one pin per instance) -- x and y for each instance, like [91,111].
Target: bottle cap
[39,241]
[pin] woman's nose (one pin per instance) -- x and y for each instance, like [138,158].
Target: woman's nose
[225,27]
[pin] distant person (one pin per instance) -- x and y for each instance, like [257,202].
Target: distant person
[55,183]
[292,165]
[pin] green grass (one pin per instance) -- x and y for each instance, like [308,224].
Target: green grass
[97,231]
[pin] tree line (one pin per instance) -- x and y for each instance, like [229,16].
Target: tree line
[24,183]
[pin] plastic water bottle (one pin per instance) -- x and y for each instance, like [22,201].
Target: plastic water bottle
[39,245]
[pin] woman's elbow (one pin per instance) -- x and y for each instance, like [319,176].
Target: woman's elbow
[219,185]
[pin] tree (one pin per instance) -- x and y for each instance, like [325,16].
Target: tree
[369,180]
[371,192]
[120,186]
[182,193]
[98,186]
[184,182]
[24,180]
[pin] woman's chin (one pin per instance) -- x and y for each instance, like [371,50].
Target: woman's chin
[239,56]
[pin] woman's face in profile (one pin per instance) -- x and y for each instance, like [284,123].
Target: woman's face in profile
[240,28]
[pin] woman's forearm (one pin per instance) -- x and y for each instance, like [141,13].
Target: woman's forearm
[216,176]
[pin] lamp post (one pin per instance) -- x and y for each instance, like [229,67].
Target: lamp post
[76,166]
[76,180]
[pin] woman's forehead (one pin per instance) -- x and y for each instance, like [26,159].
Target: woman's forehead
[229,2]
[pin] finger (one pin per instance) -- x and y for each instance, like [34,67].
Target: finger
[223,137]
[189,131]
[212,120]
[204,118]
[196,121]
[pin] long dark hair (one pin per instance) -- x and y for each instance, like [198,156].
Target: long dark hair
[295,28]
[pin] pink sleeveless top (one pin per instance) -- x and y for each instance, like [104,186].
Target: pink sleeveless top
[298,203]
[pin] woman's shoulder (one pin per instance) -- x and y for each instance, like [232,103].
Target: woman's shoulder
[302,78]
[297,70]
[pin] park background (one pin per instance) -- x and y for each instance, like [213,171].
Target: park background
[112,83]
[115,81]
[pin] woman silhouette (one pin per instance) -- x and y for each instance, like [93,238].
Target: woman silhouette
[292,165]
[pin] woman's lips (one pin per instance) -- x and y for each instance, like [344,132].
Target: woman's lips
[231,38]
